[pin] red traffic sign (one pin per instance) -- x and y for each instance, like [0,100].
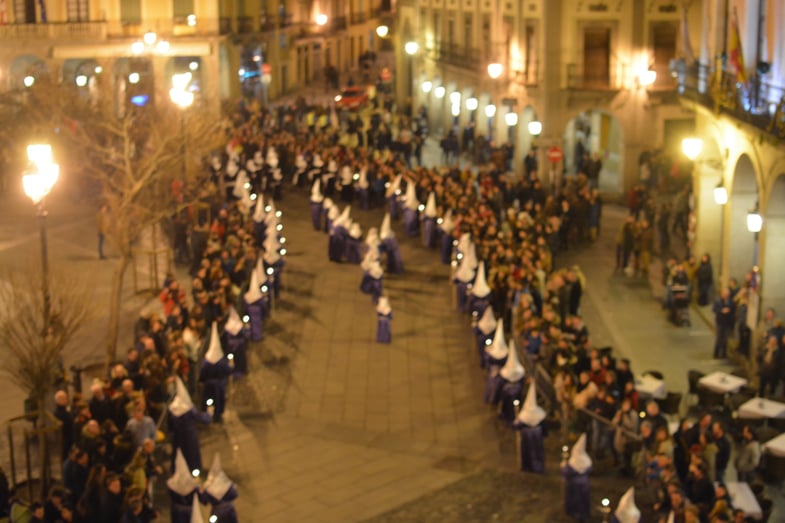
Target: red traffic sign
[385,75]
[267,69]
[555,154]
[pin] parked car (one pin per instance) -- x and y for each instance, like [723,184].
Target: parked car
[351,98]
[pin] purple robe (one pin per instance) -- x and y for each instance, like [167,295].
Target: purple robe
[372,286]
[493,387]
[394,206]
[255,312]
[394,260]
[237,345]
[259,232]
[213,377]
[577,502]
[532,448]
[274,280]
[429,232]
[411,222]
[186,438]
[328,223]
[482,342]
[510,391]
[316,215]
[476,306]
[445,249]
[460,295]
[223,508]
[337,244]
[354,249]
[364,195]
[383,327]
[181,506]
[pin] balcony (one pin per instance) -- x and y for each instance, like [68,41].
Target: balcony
[758,103]
[357,18]
[55,31]
[580,78]
[468,58]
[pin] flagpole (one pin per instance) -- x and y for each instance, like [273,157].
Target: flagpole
[725,32]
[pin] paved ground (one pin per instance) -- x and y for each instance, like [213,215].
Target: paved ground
[333,427]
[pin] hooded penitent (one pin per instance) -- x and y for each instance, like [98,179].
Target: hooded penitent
[498,349]
[480,288]
[531,414]
[627,512]
[214,352]
[487,322]
[579,458]
[512,370]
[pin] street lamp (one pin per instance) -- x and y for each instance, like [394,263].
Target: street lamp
[427,86]
[38,181]
[439,92]
[183,98]
[691,147]
[321,19]
[490,112]
[495,70]
[411,47]
[535,128]
[754,220]
[720,194]
[382,31]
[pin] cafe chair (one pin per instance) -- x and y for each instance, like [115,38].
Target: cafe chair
[692,380]
[654,374]
[708,399]
[671,404]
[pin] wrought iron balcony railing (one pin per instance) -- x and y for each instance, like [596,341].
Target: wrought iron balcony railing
[757,102]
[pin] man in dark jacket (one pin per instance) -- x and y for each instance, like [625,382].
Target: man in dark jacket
[724,320]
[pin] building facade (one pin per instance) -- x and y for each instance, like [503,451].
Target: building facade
[594,72]
[130,49]
[736,88]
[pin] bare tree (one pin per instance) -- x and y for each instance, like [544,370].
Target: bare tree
[31,351]
[147,162]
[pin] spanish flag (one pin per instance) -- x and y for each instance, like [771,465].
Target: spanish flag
[735,54]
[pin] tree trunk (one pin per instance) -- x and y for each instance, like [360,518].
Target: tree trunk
[43,447]
[115,305]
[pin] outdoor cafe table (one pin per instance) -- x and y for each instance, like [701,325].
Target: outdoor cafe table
[776,446]
[741,497]
[651,387]
[761,408]
[722,382]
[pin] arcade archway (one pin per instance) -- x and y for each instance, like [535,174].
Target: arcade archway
[773,288]
[595,139]
[743,249]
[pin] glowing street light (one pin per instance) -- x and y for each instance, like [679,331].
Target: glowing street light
[150,38]
[720,194]
[29,80]
[382,31]
[692,147]
[321,19]
[472,103]
[495,70]
[490,110]
[439,92]
[411,48]
[511,119]
[535,127]
[81,80]
[427,86]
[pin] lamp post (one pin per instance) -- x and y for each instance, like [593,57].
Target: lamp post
[411,47]
[754,225]
[183,98]
[38,181]
[490,112]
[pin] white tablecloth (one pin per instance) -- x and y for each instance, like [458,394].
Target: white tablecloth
[651,387]
[741,497]
[722,382]
[761,408]
[776,446]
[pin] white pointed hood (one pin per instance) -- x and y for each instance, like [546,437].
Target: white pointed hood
[248,202]
[182,481]
[253,294]
[363,181]
[333,213]
[671,517]
[271,255]
[316,192]
[332,166]
[480,288]
[498,348]
[464,274]
[328,202]
[233,323]
[259,272]
[272,157]
[232,168]
[355,231]
[372,237]
[271,217]
[386,231]
[196,512]
[411,196]
[395,186]
[375,270]
[447,225]
[182,402]
[430,206]
[300,162]
[214,352]
[579,459]
[487,322]
[531,414]
[258,212]
[239,184]
[344,219]
[470,256]
[217,483]
[317,161]
[627,512]
[372,256]
[513,370]
[383,306]
[251,166]
[463,242]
